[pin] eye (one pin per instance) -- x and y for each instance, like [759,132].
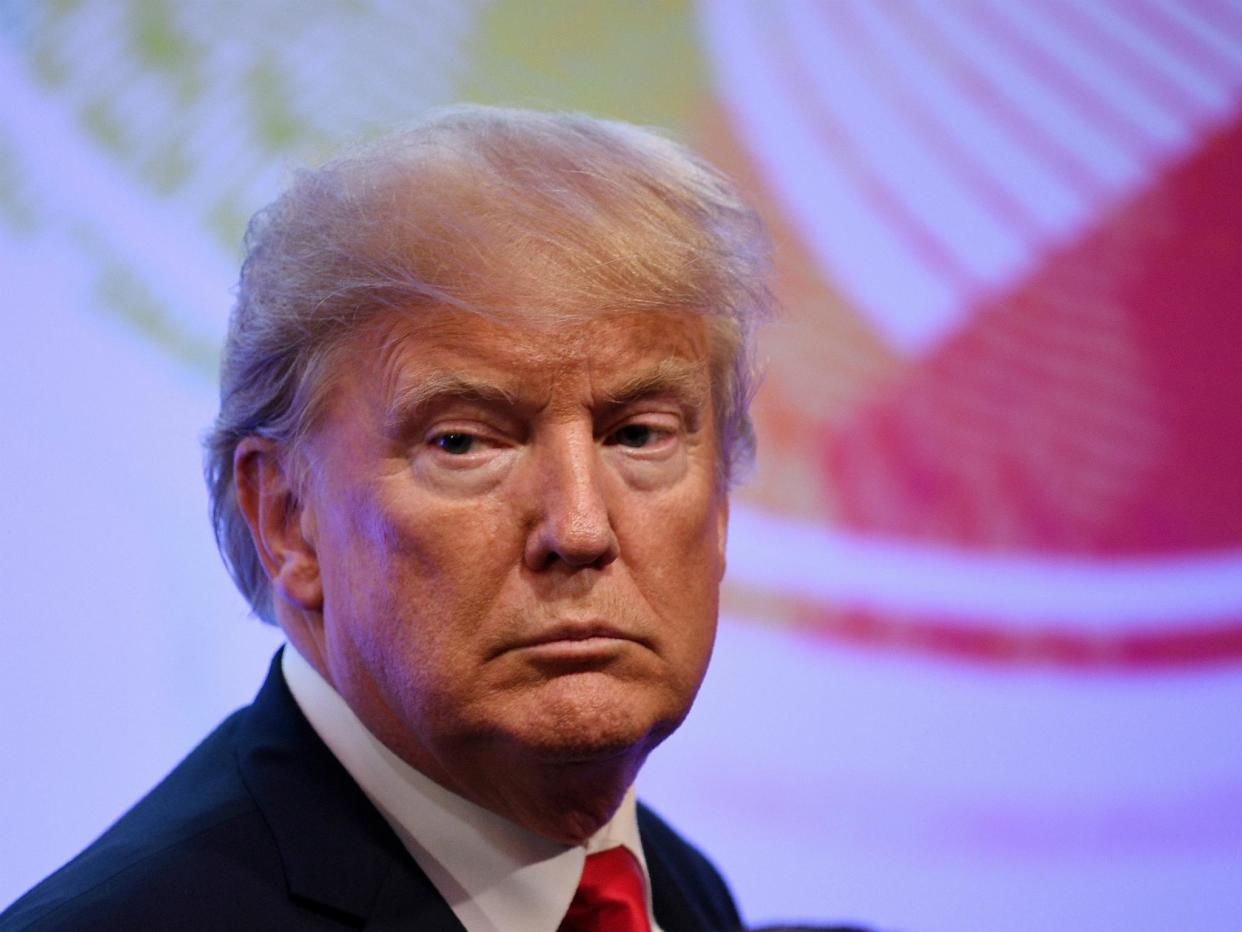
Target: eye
[634,436]
[455,442]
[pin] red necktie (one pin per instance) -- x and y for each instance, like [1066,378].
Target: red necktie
[609,896]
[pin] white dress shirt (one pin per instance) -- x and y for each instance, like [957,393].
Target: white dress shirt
[495,875]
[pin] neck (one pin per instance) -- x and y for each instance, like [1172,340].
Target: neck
[563,799]
[566,802]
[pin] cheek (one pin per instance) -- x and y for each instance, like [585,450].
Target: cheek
[370,566]
[421,574]
[455,555]
[689,531]
[703,559]
[677,561]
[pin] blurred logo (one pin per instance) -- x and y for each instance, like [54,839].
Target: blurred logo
[1020,421]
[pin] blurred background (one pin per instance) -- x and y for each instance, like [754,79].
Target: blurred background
[981,661]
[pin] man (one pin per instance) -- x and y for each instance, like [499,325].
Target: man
[483,394]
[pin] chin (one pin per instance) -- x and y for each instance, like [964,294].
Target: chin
[597,719]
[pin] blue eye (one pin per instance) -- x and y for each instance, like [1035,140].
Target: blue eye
[634,435]
[457,444]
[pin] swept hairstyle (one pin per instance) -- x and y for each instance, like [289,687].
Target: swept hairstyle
[496,211]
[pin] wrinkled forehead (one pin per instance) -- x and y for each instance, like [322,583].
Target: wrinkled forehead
[386,376]
[605,352]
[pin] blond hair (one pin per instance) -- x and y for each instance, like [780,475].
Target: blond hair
[493,210]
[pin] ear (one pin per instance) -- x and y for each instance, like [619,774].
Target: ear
[281,525]
[722,530]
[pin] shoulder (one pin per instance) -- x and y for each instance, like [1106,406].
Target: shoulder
[687,889]
[193,845]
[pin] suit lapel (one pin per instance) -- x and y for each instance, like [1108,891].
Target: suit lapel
[687,895]
[672,909]
[339,854]
[341,858]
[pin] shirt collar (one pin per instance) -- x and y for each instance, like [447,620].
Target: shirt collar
[495,874]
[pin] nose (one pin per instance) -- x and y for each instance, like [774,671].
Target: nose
[572,525]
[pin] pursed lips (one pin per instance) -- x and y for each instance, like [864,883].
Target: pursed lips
[569,633]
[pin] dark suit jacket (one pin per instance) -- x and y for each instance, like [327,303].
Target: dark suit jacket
[261,828]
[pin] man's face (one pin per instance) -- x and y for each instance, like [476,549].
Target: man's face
[519,533]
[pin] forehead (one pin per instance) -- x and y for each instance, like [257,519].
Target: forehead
[599,354]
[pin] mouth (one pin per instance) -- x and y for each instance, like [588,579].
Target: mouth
[577,640]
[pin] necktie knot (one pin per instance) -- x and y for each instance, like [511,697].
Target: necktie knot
[609,896]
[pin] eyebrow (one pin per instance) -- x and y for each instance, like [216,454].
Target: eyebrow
[408,400]
[672,376]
